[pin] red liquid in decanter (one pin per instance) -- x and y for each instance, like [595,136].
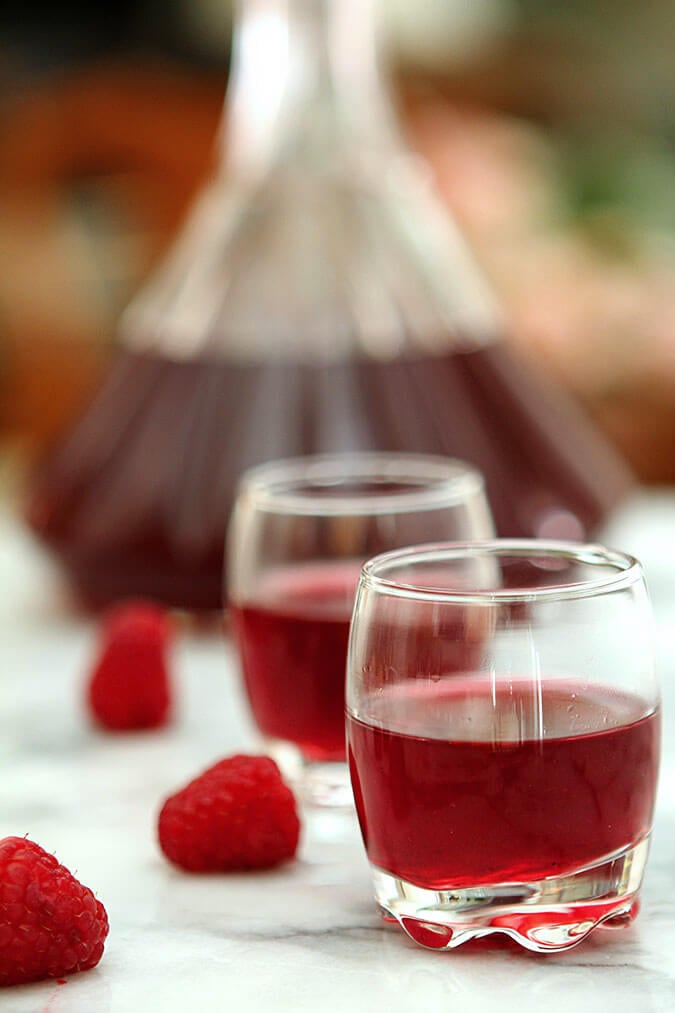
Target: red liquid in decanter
[136,500]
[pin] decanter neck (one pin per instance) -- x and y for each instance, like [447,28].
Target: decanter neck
[305,87]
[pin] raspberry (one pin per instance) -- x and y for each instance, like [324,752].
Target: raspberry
[129,688]
[237,815]
[50,925]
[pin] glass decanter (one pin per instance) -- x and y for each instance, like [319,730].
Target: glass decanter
[319,298]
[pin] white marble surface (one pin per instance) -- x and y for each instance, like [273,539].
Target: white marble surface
[302,938]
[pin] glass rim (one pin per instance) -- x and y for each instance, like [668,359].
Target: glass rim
[442,481]
[627,570]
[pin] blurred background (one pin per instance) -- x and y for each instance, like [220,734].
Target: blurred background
[550,126]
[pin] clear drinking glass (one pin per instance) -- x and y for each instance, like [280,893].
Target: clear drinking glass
[514,794]
[300,531]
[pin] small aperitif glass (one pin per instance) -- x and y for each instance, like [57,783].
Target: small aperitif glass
[513,794]
[300,531]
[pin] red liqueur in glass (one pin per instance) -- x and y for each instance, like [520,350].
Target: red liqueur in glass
[293,648]
[445,801]
[293,652]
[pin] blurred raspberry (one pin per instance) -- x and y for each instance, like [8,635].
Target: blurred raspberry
[129,688]
[50,925]
[237,815]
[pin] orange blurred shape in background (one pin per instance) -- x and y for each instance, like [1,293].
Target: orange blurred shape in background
[97,171]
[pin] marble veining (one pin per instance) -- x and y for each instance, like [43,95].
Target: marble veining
[304,937]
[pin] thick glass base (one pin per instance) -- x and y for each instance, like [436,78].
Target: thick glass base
[314,782]
[546,916]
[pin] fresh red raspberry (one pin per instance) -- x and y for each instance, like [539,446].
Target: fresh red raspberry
[50,925]
[239,814]
[129,688]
